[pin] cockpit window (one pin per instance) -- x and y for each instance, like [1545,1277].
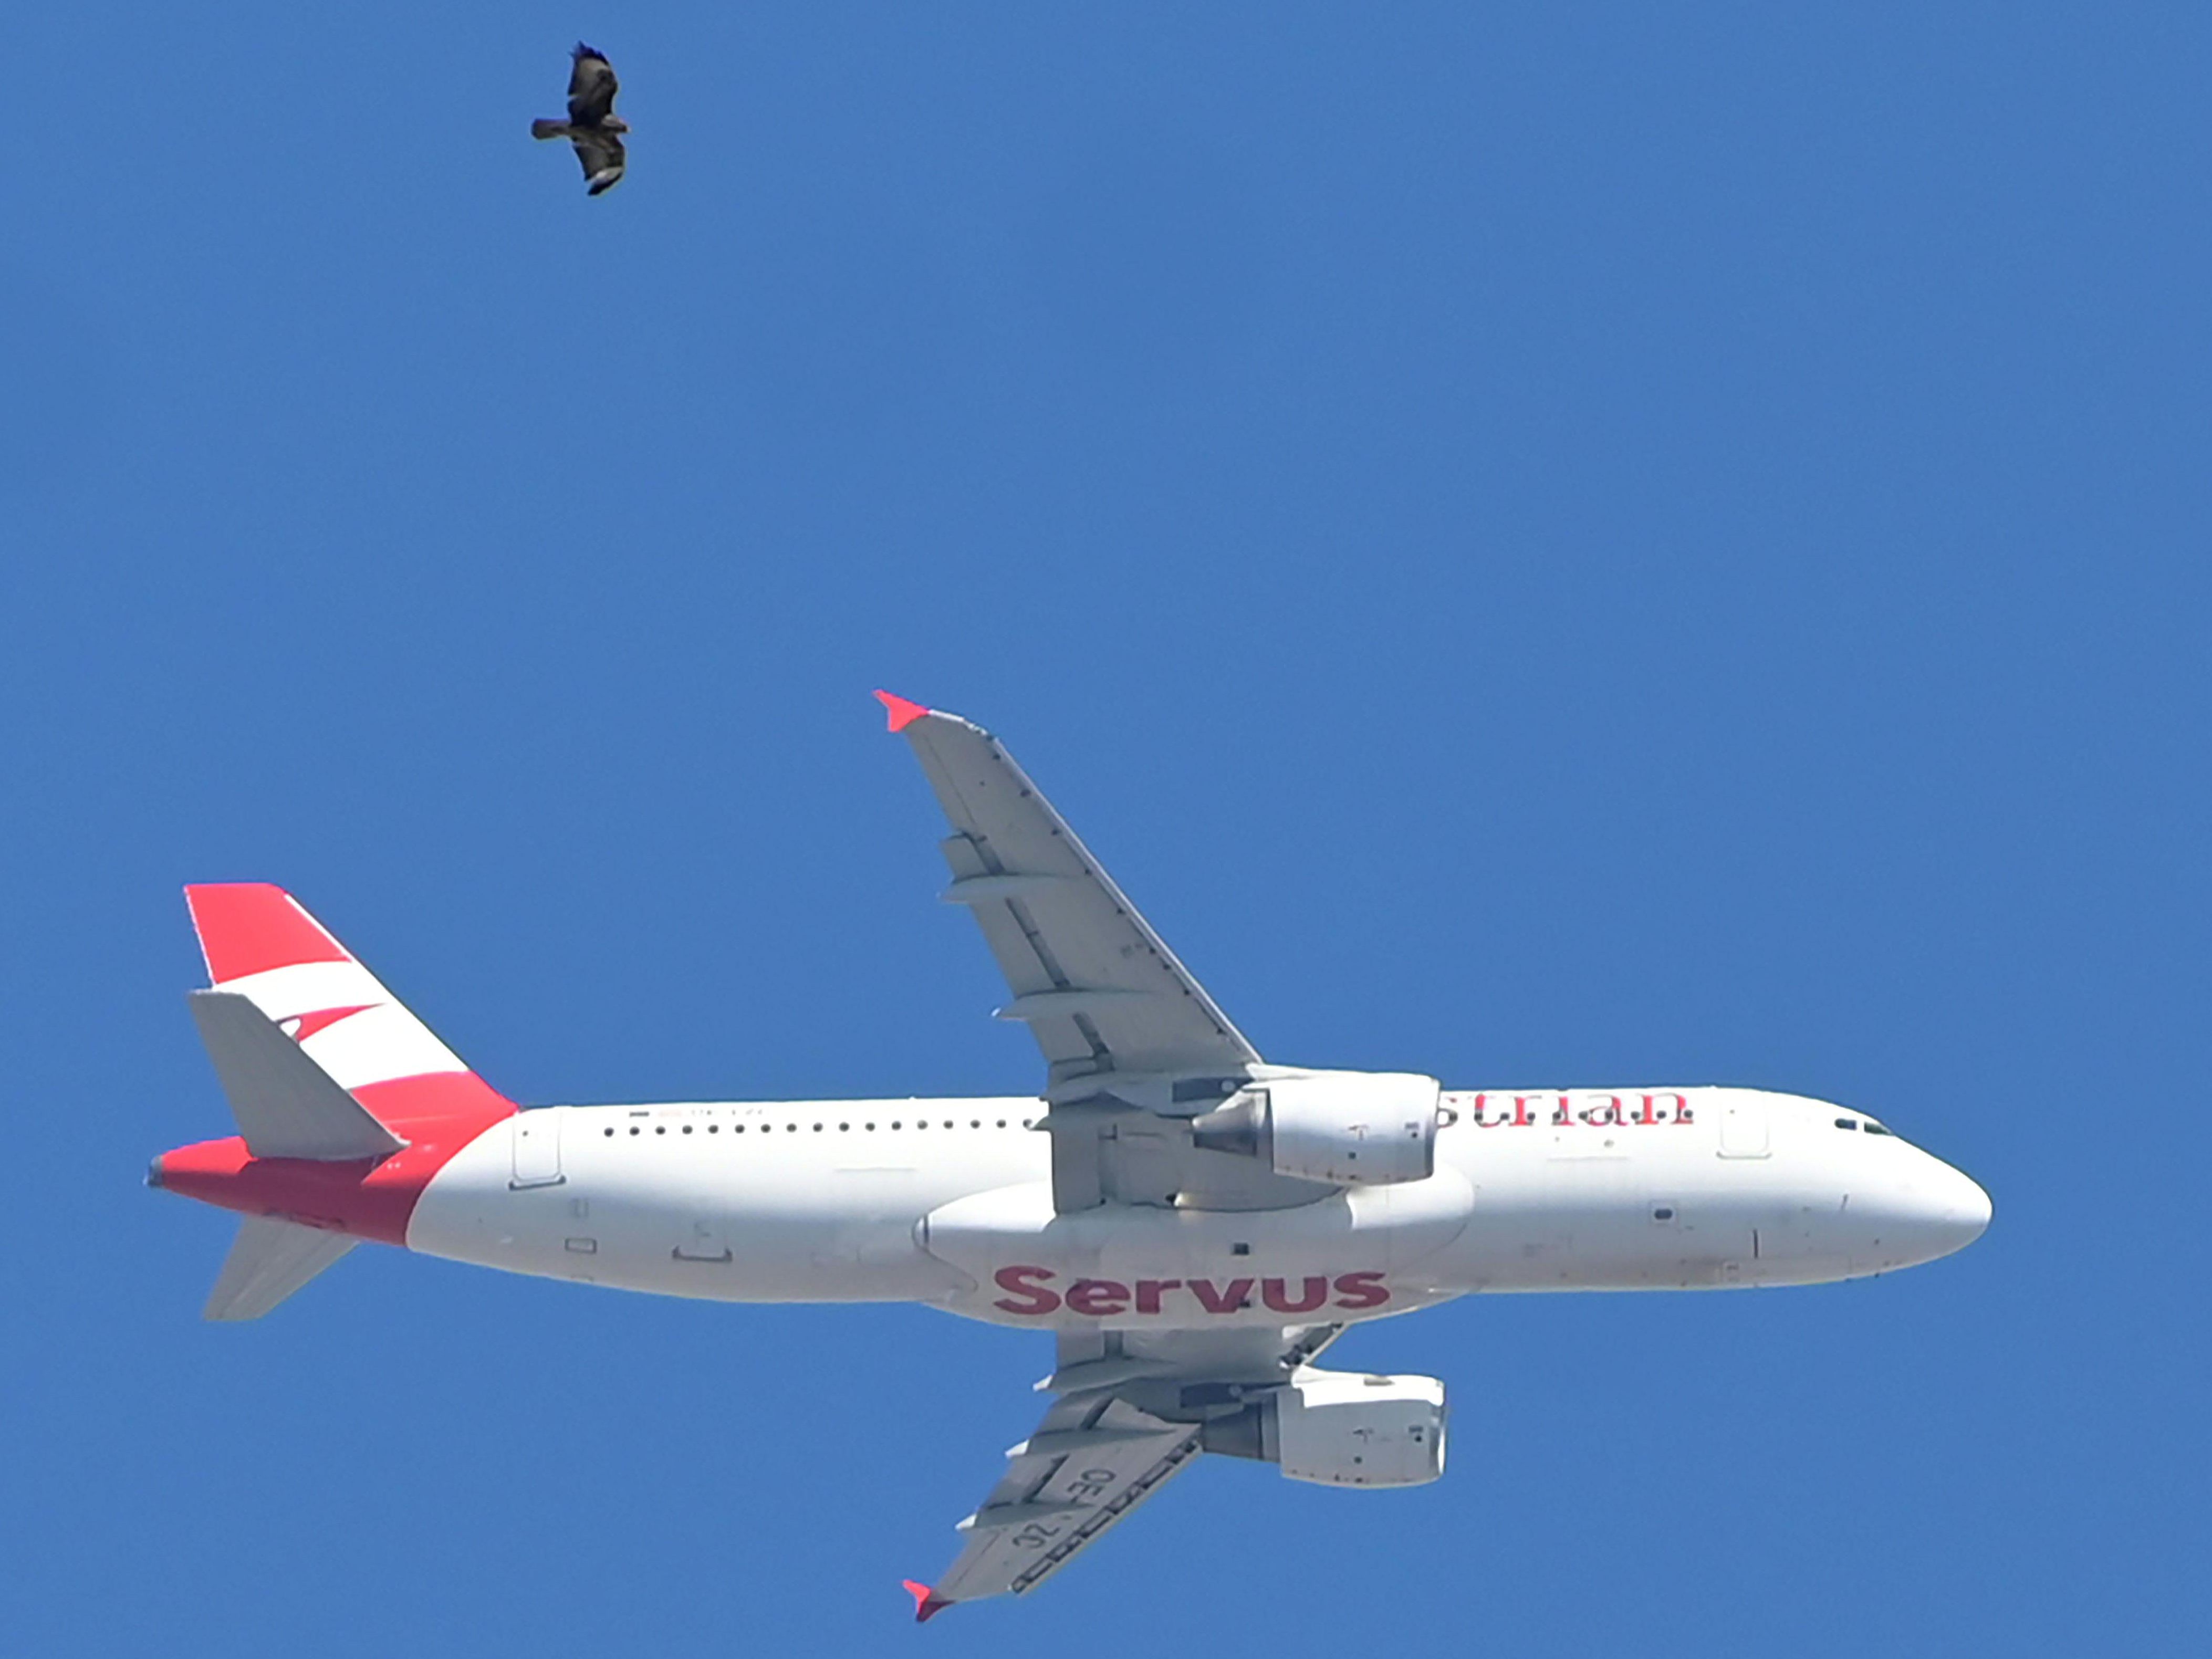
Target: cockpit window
[1847,1123]
[1876,1129]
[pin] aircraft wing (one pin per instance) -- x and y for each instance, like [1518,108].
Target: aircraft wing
[1093,982]
[1135,1046]
[1128,1414]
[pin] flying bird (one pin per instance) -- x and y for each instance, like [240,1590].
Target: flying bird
[593,126]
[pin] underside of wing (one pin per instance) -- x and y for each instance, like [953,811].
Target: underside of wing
[1096,987]
[1090,1462]
[602,157]
[1135,1047]
[1123,1421]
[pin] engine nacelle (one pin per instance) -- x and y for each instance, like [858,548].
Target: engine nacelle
[1337,1429]
[1349,1128]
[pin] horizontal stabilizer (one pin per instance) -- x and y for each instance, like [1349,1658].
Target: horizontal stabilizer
[285,1105]
[269,1260]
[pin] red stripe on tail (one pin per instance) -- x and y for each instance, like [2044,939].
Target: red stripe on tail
[251,926]
[437,1116]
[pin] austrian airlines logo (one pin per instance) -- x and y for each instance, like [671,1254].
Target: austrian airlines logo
[301,1027]
[1561,1111]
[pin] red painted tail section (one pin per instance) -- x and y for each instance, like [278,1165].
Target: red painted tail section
[249,927]
[259,942]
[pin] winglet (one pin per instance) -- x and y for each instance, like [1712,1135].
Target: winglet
[925,1604]
[902,713]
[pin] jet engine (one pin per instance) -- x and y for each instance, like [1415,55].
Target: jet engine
[1350,1128]
[1335,1429]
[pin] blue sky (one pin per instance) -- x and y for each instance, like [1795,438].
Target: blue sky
[1546,545]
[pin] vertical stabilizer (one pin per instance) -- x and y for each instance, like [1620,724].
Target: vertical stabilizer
[260,945]
[347,1106]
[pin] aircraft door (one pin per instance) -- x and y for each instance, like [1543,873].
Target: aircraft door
[537,1147]
[1743,1127]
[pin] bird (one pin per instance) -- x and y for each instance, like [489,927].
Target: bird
[593,126]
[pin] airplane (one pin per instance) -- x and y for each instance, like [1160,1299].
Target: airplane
[1194,1224]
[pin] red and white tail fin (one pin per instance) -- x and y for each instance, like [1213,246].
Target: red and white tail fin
[261,945]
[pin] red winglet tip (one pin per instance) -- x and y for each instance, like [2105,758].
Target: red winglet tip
[925,1604]
[902,713]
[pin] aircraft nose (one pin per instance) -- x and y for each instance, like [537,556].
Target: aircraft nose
[1954,1210]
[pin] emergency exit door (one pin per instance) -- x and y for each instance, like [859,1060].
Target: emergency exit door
[537,1147]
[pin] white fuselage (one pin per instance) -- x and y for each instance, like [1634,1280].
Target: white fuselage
[949,1202]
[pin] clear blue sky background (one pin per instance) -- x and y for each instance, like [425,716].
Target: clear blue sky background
[1544,544]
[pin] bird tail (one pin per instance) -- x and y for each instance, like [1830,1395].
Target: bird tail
[549,129]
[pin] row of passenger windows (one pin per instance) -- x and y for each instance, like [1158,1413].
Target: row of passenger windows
[792,1129]
[1870,1126]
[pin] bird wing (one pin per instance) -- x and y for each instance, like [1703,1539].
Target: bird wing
[591,88]
[602,156]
